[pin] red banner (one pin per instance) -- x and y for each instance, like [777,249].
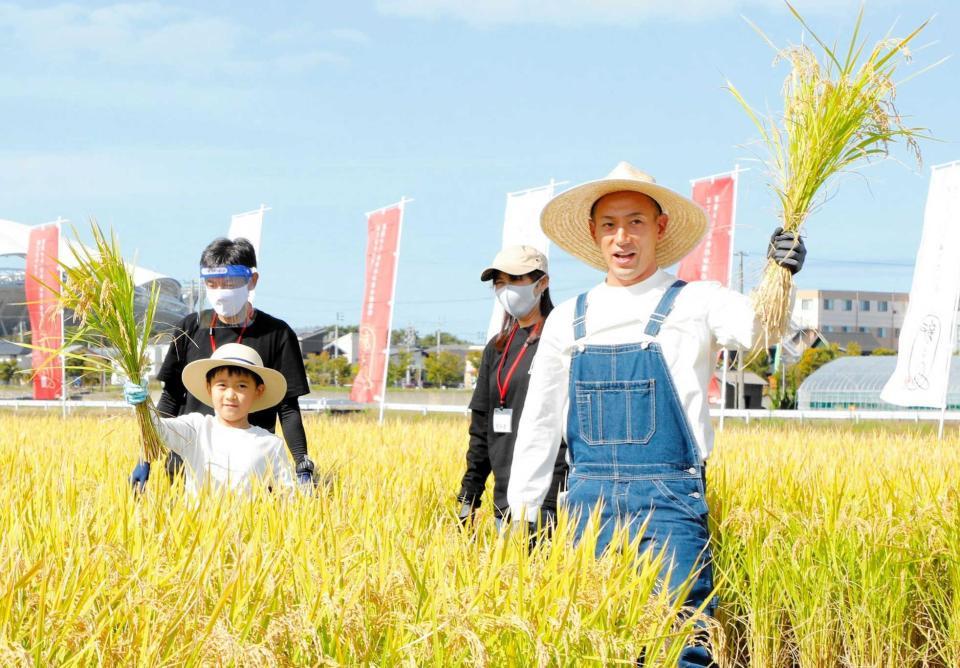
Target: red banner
[46,318]
[711,259]
[383,247]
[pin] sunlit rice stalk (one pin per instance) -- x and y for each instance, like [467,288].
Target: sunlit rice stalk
[98,288]
[832,548]
[838,113]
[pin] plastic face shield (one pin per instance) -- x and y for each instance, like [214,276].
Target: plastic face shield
[226,278]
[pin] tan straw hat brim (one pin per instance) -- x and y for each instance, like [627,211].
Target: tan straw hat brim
[566,218]
[195,379]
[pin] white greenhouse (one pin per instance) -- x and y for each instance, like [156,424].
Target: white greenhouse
[856,382]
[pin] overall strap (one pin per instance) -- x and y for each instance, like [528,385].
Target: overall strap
[580,318]
[663,308]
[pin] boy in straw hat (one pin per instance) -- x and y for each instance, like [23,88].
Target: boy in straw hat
[224,449]
[622,373]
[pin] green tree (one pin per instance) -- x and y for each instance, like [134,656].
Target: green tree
[399,363]
[341,371]
[325,370]
[811,360]
[882,352]
[475,357]
[446,338]
[444,369]
[8,370]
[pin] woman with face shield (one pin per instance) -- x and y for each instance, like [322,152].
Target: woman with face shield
[521,283]
[228,271]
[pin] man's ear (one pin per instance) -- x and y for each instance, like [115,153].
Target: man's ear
[261,388]
[593,230]
[253,280]
[662,221]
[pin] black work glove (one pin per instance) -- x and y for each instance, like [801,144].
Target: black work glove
[139,476]
[787,249]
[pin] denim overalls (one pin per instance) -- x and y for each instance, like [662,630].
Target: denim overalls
[631,447]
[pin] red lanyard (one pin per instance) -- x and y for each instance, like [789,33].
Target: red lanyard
[213,321]
[513,367]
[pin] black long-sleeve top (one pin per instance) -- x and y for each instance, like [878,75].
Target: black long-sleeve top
[277,346]
[491,452]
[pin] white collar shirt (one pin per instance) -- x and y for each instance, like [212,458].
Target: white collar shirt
[705,316]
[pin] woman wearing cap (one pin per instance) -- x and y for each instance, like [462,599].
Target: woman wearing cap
[622,373]
[519,276]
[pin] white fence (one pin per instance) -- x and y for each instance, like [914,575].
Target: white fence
[338,405]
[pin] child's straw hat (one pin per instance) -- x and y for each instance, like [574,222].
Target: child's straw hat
[241,356]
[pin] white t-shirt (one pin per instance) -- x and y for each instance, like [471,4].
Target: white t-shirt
[227,456]
[705,316]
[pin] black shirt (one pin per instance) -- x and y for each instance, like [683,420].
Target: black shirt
[277,346]
[491,452]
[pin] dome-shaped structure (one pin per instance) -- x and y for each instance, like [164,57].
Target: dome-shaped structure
[857,381]
[14,238]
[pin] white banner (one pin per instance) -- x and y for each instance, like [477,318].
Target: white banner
[249,226]
[521,227]
[926,337]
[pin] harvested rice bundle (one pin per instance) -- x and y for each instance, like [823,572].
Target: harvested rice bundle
[838,112]
[98,287]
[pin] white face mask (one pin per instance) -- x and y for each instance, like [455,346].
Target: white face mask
[228,302]
[518,300]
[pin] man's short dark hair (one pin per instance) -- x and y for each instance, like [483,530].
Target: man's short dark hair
[235,371]
[593,207]
[222,252]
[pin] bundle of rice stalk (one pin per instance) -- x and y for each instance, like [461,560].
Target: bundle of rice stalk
[98,287]
[838,113]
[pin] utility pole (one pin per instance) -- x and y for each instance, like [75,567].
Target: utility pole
[336,334]
[740,383]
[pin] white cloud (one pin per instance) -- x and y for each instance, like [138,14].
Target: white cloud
[150,34]
[590,12]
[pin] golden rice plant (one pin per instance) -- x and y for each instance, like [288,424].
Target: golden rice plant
[832,547]
[838,113]
[106,336]
[374,571]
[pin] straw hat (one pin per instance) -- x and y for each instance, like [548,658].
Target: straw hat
[235,354]
[516,261]
[566,218]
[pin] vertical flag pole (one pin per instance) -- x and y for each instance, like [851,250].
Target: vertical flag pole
[63,358]
[723,383]
[946,391]
[393,299]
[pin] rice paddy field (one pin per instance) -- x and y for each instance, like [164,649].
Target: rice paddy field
[834,546]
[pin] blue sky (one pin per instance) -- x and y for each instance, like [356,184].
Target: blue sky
[163,119]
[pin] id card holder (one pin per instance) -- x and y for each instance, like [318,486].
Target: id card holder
[502,420]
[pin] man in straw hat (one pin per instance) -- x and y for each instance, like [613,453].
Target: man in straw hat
[622,374]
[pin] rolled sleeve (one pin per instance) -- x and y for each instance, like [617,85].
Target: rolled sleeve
[541,427]
[732,319]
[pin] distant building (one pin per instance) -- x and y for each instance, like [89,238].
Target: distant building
[312,343]
[871,319]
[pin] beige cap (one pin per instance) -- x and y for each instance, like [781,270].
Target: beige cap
[516,261]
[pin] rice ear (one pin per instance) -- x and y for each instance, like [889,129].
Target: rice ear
[838,114]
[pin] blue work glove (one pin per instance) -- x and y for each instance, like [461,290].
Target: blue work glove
[134,393]
[787,249]
[305,477]
[140,476]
